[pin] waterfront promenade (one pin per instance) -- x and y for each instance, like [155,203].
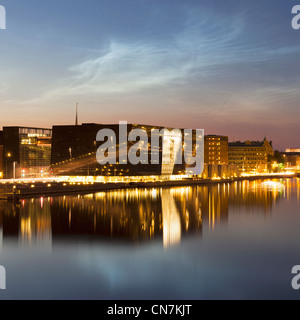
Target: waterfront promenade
[15,190]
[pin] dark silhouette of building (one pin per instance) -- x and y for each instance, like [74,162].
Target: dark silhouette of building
[74,149]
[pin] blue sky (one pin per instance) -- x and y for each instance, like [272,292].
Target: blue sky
[230,67]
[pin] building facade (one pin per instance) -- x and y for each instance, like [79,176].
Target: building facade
[292,159]
[216,150]
[26,152]
[292,150]
[250,156]
[75,147]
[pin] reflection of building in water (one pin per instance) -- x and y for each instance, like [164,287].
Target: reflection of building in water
[10,222]
[186,199]
[35,222]
[214,201]
[171,219]
[29,222]
[123,214]
[292,187]
[136,214]
[296,186]
[253,195]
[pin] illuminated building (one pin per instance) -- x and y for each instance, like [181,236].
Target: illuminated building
[216,158]
[250,156]
[292,150]
[215,149]
[292,159]
[26,152]
[218,171]
[74,149]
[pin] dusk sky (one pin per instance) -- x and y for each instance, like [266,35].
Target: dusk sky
[230,67]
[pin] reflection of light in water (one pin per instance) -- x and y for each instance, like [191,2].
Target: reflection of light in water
[171,219]
[70,216]
[273,185]
[1,231]
[187,220]
[154,192]
[1,237]
[35,224]
[211,211]
[26,229]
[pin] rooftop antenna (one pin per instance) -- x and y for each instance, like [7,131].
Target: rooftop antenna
[76,119]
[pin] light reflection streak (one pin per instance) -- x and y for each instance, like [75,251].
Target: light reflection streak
[171,220]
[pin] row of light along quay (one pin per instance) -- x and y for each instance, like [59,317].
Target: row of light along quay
[16,190]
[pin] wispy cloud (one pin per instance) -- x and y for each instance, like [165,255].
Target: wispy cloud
[206,46]
[210,61]
[125,68]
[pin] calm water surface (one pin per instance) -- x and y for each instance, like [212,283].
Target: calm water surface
[225,241]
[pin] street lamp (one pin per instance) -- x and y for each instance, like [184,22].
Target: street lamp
[8,155]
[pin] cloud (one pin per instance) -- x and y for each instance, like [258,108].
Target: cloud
[209,61]
[125,68]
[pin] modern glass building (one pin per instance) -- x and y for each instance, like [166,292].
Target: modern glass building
[26,152]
